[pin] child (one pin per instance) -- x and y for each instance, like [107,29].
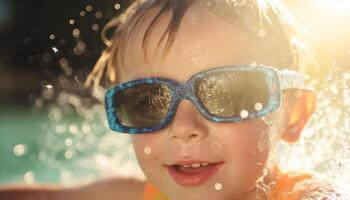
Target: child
[191,82]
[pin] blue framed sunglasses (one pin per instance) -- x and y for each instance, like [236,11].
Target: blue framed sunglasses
[223,94]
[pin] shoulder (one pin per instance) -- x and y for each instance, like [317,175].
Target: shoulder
[111,189]
[108,189]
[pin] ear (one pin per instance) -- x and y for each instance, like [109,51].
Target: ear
[300,111]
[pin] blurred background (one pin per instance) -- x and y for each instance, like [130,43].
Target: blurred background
[49,46]
[30,31]
[46,51]
[35,34]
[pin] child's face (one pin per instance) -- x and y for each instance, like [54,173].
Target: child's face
[204,41]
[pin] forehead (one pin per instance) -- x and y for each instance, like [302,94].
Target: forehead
[203,41]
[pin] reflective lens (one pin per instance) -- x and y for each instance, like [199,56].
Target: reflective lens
[233,93]
[143,105]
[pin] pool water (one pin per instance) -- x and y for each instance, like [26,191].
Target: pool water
[42,146]
[20,132]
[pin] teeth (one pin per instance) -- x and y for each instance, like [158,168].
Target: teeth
[195,165]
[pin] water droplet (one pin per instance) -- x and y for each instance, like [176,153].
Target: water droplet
[88,8]
[147,150]
[218,186]
[68,141]
[95,27]
[52,36]
[48,91]
[117,6]
[55,50]
[68,154]
[99,15]
[73,129]
[258,106]
[29,177]
[76,33]
[39,103]
[86,129]
[71,22]
[63,62]
[80,48]
[19,149]
[82,13]
[244,114]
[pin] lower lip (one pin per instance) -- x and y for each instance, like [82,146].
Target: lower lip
[193,179]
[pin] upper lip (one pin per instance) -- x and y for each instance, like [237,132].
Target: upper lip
[189,162]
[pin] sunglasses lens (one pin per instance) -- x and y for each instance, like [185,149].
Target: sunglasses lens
[144,105]
[233,93]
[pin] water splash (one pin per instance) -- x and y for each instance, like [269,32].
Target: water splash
[323,149]
[76,141]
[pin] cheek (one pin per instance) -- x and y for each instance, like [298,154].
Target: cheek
[147,148]
[247,149]
[247,138]
[256,144]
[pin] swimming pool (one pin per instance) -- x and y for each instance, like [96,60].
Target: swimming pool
[38,146]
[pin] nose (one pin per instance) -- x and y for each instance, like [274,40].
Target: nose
[188,124]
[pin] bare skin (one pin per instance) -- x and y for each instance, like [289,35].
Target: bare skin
[111,189]
[196,48]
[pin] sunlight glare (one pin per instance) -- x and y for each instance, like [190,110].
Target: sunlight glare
[335,5]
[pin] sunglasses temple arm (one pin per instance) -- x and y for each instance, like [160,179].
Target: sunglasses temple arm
[291,79]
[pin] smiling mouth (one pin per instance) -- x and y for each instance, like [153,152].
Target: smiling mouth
[193,174]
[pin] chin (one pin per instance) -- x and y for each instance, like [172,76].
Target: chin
[209,195]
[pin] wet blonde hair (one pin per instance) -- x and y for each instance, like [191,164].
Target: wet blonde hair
[277,42]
